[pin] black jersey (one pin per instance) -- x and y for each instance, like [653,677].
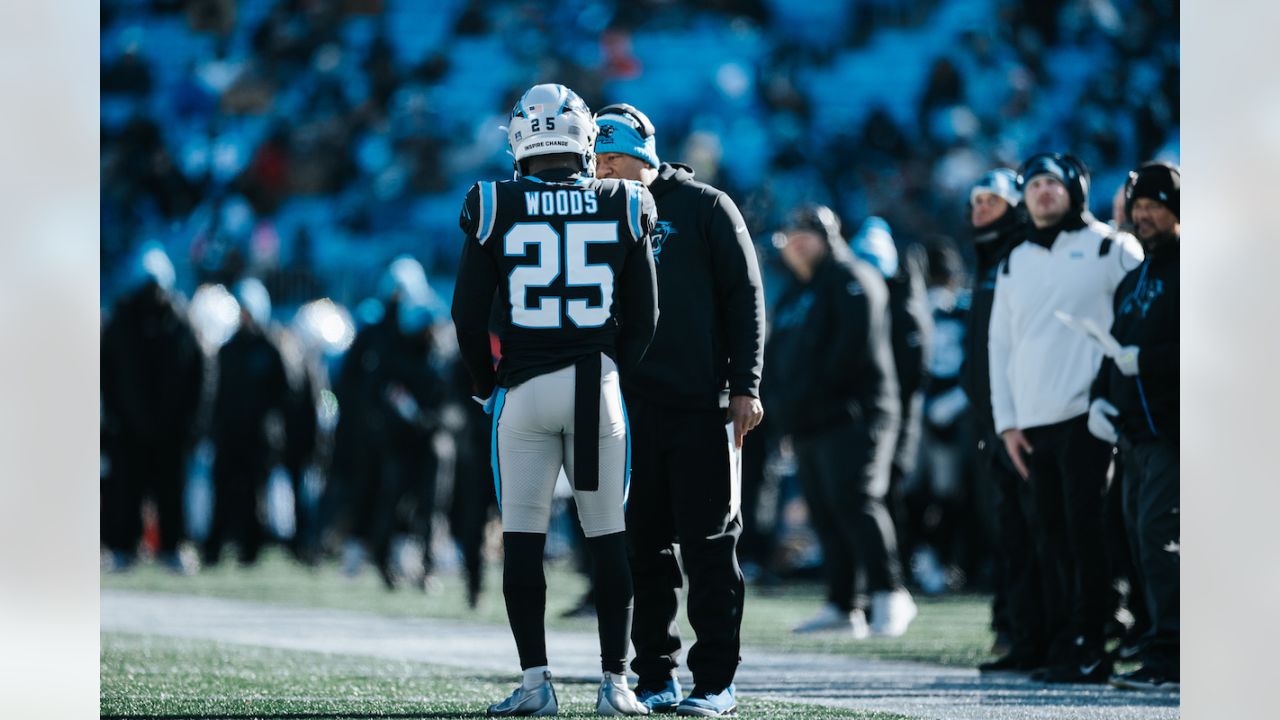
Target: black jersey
[570,261]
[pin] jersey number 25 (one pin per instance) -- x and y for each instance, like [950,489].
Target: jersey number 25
[578,273]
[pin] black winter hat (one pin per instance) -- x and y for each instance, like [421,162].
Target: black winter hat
[1156,181]
[815,218]
[1068,169]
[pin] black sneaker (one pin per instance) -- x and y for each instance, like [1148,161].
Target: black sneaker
[1146,679]
[1094,668]
[1130,648]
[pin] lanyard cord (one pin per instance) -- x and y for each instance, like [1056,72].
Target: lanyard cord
[1136,296]
[1138,289]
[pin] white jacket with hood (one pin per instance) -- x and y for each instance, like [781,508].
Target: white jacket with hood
[1041,368]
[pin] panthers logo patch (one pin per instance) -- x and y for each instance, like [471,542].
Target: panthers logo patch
[606,134]
[661,232]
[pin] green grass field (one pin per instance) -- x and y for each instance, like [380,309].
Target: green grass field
[151,677]
[952,630]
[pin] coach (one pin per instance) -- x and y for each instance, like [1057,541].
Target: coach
[1041,371]
[1135,404]
[706,354]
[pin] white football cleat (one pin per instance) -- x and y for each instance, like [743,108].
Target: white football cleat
[832,619]
[525,702]
[615,698]
[892,612]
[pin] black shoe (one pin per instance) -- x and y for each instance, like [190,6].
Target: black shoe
[1092,668]
[1145,678]
[1131,645]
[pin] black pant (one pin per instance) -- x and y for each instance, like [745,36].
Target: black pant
[1151,506]
[1021,605]
[1068,481]
[408,474]
[364,485]
[305,538]
[139,470]
[473,498]
[845,475]
[1121,565]
[904,473]
[680,492]
[239,478]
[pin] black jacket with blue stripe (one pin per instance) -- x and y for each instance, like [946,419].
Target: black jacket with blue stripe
[1146,315]
[710,343]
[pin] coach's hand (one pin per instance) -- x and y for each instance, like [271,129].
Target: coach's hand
[746,413]
[1015,443]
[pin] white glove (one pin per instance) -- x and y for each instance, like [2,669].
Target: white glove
[1099,424]
[487,403]
[1127,360]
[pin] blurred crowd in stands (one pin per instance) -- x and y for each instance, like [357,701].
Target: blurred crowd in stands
[280,190]
[307,142]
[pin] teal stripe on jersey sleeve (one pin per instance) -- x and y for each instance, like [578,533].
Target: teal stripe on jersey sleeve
[488,210]
[633,208]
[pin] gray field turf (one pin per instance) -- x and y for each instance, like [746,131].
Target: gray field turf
[429,657]
[145,676]
[952,630]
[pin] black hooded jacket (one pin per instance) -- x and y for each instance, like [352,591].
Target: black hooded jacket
[251,386]
[152,371]
[1146,315]
[710,337]
[830,355]
[992,244]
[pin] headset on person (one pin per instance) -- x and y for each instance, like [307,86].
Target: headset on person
[639,120]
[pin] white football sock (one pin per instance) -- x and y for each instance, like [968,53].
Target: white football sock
[533,677]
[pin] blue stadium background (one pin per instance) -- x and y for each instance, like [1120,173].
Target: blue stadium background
[309,141]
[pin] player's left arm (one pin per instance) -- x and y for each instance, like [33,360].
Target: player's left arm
[638,289]
[473,300]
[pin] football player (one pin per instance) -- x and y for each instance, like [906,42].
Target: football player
[570,261]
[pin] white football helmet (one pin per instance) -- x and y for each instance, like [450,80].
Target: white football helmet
[551,118]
